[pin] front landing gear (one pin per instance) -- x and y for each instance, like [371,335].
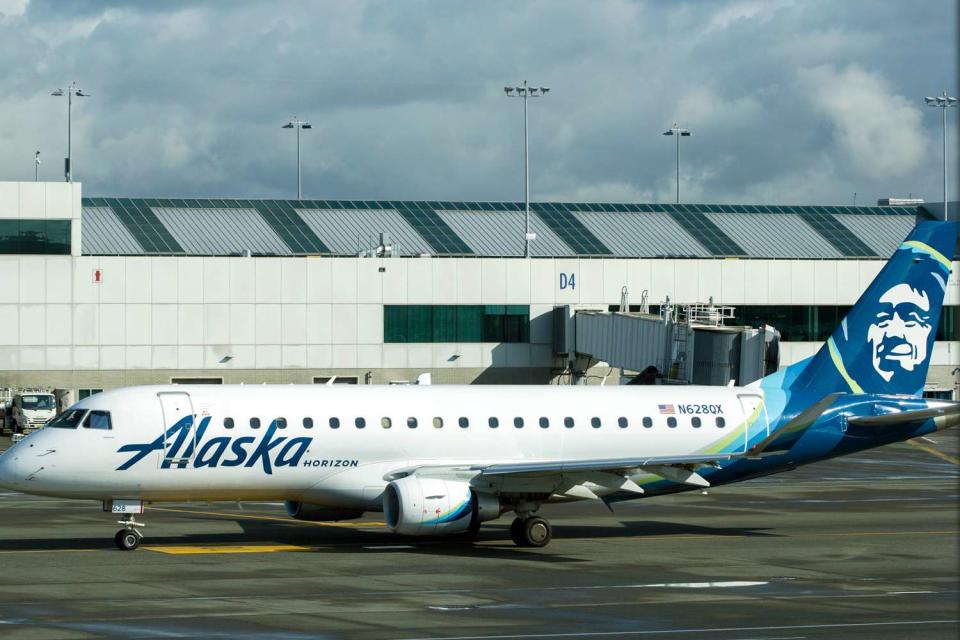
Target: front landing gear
[531,532]
[129,537]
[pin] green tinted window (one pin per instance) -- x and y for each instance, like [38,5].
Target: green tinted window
[419,323]
[444,323]
[469,323]
[49,237]
[456,323]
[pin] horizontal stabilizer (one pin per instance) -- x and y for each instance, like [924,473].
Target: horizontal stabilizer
[949,411]
[790,432]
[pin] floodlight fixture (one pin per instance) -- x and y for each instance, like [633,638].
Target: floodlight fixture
[525,91]
[71,91]
[297,123]
[943,101]
[678,132]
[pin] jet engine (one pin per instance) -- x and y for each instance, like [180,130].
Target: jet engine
[428,506]
[317,513]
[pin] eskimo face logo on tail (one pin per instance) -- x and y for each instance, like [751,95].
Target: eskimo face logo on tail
[898,337]
[884,344]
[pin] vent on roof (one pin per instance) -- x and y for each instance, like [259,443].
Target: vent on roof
[899,202]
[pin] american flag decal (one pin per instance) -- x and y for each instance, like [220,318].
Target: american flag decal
[666,409]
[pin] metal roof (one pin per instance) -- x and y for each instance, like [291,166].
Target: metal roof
[220,231]
[102,233]
[882,234]
[642,234]
[501,233]
[168,226]
[350,231]
[782,235]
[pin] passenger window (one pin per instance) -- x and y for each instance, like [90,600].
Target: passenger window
[518,423]
[281,423]
[386,423]
[647,422]
[334,423]
[695,421]
[228,423]
[544,423]
[721,422]
[254,423]
[360,422]
[493,422]
[622,422]
[671,422]
[412,423]
[438,422]
[568,422]
[595,422]
[464,423]
[308,423]
[98,420]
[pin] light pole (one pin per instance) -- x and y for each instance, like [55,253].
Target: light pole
[297,123]
[943,101]
[526,92]
[678,133]
[70,91]
[36,167]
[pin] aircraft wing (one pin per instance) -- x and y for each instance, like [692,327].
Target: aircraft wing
[947,411]
[573,478]
[612,464]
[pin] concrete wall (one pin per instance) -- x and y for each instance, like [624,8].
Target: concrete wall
[152,315]
[43,200]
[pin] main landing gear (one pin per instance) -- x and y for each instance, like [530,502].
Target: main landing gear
[531,531]
[129,537]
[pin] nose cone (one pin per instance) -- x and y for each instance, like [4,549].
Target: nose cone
[11,469]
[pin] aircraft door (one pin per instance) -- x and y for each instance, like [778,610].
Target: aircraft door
[178,444]
[750,403]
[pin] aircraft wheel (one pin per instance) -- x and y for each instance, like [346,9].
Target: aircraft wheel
[516,532]
[537,532]
[474,530]
[127,539]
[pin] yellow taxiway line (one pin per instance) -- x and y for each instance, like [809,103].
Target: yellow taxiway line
[270,518]
[934,452]
[180,550]
[275,547]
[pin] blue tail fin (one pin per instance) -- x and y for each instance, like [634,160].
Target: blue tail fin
[884,343]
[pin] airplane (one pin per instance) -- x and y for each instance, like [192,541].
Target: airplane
[441,460]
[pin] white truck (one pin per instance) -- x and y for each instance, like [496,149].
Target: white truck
[32,410]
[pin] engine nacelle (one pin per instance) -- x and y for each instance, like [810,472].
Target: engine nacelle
[426,506]
[317,513]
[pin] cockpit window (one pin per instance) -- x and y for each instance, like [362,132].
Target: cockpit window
[69,419]
[98,420]
[37,402]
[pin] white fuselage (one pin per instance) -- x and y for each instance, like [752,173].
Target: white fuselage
[347,466]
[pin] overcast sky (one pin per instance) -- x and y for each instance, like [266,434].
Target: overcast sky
[788,101]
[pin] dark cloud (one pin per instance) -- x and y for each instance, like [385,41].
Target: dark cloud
[789,102]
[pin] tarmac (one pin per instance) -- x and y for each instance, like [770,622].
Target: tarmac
[864,546]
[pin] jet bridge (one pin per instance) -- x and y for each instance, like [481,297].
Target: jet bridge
[680,344]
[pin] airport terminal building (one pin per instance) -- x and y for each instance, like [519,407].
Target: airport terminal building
[104,292]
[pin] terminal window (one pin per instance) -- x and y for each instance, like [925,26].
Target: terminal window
[23,236]
[456,323]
